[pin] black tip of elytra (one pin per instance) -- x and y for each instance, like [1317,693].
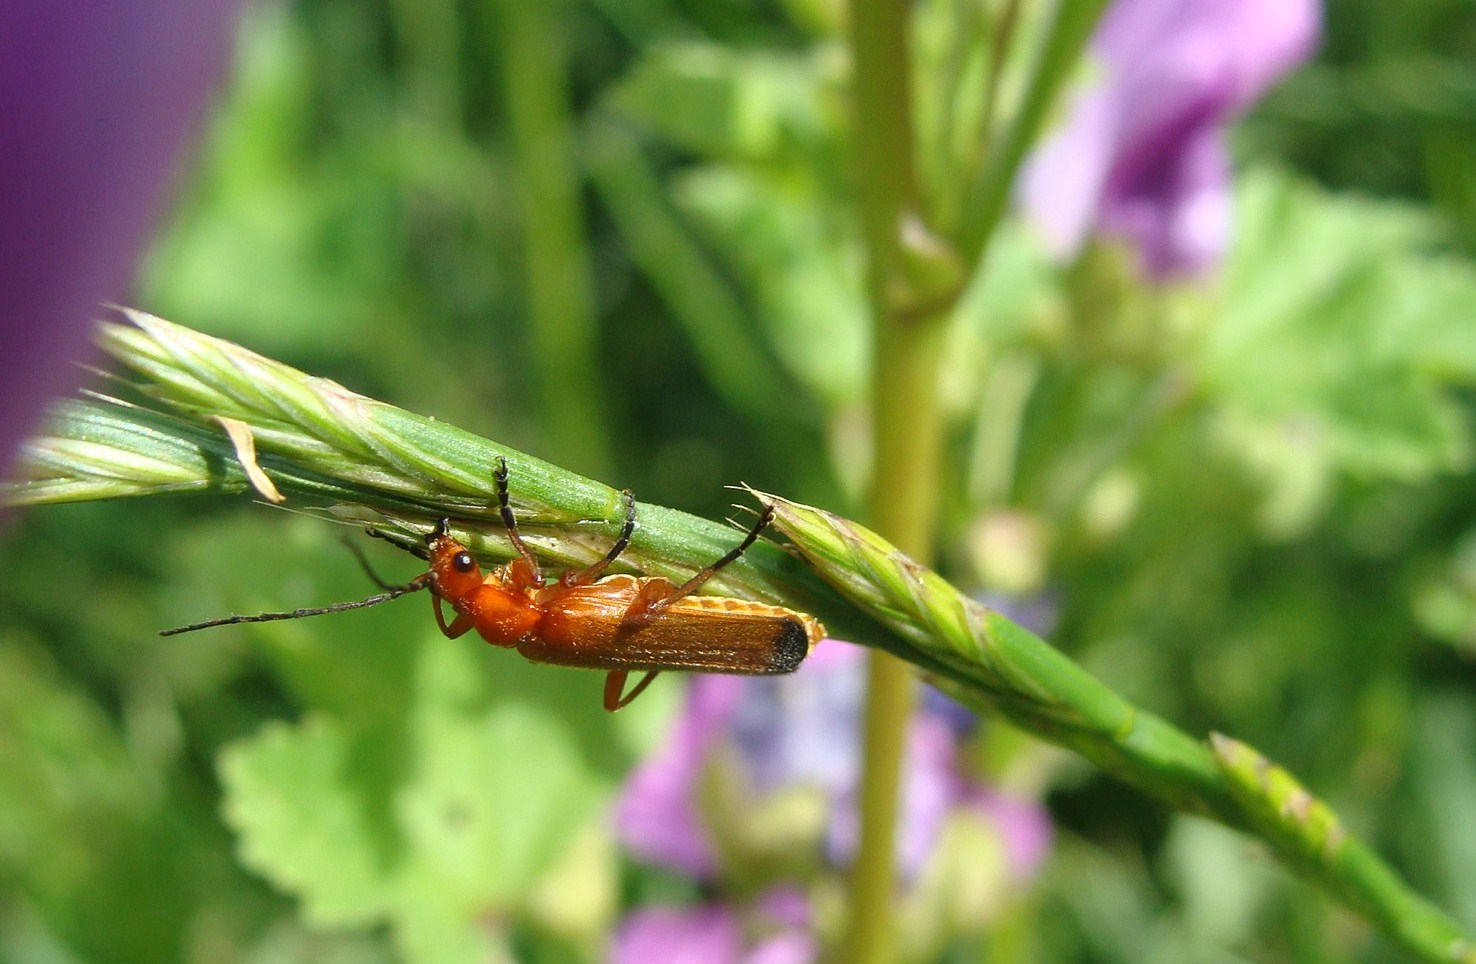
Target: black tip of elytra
[791,646]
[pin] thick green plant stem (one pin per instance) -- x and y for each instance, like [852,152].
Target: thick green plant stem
[907,430]
[401,471]
[908,434]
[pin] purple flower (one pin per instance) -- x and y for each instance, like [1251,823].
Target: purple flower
[678,935]
[803,731]
[778,923]
[756,788]
[654,814]
[98,100]
[1023,827]
[1141,154]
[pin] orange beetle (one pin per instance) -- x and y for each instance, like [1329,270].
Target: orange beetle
[586,619]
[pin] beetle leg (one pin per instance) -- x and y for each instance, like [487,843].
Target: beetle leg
[615,683]
[707,572]
[584,577]
[459,626]
[654,595]
[510,521]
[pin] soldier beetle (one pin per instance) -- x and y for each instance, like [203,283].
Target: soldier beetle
[617,623]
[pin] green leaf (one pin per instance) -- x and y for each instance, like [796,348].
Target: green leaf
[435,835]
[1342,331]
[725,103]
[87,840]
[1443,792]
[801,268]
[301,824]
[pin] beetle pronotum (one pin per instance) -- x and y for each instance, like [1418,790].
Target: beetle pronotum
[617,623]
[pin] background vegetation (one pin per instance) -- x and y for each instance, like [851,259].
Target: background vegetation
[1247,505]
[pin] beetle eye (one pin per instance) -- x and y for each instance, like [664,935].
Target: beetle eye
[463,562]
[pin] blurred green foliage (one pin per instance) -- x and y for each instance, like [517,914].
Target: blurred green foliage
[1252,503]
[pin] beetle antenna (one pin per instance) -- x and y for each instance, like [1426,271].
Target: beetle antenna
[393,592]
[420,552]
[363,560]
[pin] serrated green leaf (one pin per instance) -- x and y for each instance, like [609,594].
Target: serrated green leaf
[492,790]
[434,836]
[292,801]
[1341,327]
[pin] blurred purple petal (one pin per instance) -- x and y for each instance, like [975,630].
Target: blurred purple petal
[1063,185]
[802,727]
[714,933]
[1023,827]
[930,790]
[1038,613]
[1141,155]
[960,719]
[673,935]
[99,100]
[1179,216]
[784,907]
[655,816]
[817,741]
[804,730]
[785,910]
[791,947]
